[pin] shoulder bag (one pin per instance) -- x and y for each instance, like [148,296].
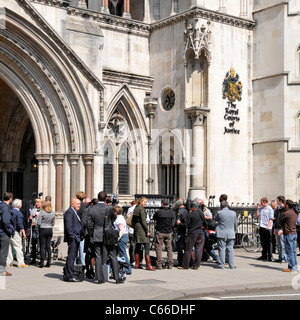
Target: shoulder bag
[111,235]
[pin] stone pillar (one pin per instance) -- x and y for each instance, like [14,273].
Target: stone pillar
[59,182]
[73,174]
[156,10]
[222,6]
[88,175]
[105,8]
[150,106]
[175,8]
[147,18]
[126,12]
[197,3]
[198,164]
[243,8]
[40,174]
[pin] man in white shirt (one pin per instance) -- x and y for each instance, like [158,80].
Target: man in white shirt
[265,214]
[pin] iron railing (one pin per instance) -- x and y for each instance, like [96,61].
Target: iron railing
[245,216]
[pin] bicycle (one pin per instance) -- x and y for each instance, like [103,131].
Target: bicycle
[251,240]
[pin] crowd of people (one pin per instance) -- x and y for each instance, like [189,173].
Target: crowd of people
[87,226]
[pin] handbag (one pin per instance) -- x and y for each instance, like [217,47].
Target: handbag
[129,219]
[111,235]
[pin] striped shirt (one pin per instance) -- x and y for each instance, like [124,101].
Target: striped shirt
[265,214]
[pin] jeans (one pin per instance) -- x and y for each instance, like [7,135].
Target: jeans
[290,242]
[121,249]
[281,248]
[82,253]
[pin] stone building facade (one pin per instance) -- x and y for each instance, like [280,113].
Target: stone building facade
[184,97]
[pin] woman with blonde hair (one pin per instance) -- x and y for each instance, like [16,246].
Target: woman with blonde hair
[45,223]
[141,233]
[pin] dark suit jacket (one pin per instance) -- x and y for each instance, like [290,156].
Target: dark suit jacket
[95,220]
[72,226]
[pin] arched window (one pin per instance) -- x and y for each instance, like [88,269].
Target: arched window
[108,168]
[123,168]
[116,7]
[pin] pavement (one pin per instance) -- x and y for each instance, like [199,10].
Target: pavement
[34,283]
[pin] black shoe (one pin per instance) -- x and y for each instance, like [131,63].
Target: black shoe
[262,258]
[119,281]
[32,262]
[73,280]
[41,265]
[99,281]
[47,265]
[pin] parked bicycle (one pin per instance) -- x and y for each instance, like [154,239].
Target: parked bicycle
[251,240]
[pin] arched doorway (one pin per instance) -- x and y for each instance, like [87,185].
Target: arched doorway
[18,166]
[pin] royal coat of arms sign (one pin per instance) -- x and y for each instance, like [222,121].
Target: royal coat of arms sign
[232,87]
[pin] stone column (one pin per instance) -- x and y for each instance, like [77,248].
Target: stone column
[244,8]
[105,8]
[126,12]
[88,175]
[150,106]
[156,10]
[198,164]
[59,182]
[222,6]
[40,174]
[73,174]
[147,18]
[175,8]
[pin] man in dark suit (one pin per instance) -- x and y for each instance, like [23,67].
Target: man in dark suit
[73,235]
[95,221]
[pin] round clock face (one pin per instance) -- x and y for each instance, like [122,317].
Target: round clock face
[168,99]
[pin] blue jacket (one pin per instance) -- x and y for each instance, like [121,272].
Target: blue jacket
[6,227]
[17,219]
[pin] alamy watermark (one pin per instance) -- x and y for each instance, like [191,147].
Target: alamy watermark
[163,146]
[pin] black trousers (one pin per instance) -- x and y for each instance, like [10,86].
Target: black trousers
[4,246]
[266,242]
[45,243]
[101,251]
[73,247]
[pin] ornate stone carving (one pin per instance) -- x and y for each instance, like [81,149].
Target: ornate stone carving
[198,38]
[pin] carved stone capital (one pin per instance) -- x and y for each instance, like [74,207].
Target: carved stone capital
[197,115]
[150,105]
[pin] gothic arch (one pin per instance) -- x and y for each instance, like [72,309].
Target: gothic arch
[124,109]
[44,80]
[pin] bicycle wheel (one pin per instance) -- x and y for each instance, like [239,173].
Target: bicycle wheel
[251,242]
